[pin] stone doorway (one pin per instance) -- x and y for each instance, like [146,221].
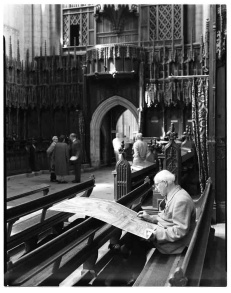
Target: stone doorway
[96,123]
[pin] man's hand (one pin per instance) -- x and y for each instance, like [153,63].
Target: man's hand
[144,216]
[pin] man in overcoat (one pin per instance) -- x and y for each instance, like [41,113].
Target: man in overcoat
[76,156]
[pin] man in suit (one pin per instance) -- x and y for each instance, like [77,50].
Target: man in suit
[176,221]
[76,156]
[172,228]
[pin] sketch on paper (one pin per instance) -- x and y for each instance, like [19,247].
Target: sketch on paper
[107,211]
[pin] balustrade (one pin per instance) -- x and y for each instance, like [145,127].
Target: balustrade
[114,60]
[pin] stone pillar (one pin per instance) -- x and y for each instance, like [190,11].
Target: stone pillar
[56,28]
[141,96]
[206,15]
[198,23]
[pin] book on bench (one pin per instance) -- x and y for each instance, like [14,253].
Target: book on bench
[108,211]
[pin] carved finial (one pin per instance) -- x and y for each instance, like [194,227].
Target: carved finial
[60,56]
[122,150]
[22,74]
[27,58]
[178,279]
[92,177]
[46,65]
[10,53]
[45,48]
[147,179]
[18,55]
[171,133]
[68,57]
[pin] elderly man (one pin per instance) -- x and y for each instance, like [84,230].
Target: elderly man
[176,222]
[140,149]
[172,227]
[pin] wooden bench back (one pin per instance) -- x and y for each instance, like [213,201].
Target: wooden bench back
[181,269]
[15,213]
[126,180]
[31,190]
[189,273]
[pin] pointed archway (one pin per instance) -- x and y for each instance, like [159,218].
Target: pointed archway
[96,121]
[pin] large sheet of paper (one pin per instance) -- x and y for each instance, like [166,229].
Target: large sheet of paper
[108,211]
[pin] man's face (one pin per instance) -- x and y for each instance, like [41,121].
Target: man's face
[161,187]
[71,138]
[55,140]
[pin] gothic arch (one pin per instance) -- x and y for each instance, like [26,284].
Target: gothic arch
[96,121]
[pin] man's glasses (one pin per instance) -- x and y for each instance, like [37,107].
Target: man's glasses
[157,184]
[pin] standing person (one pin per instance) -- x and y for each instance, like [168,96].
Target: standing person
[76,158]
[50,155]
[140,149]
[116,142]
[61,159]
[33,156]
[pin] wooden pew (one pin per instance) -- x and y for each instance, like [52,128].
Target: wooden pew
[29,230]
[183,269]
[159,269]
[127,177]
[30,190]
[56,260]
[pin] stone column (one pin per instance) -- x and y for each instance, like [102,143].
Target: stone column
[141,96]
[198,22]
[206,15]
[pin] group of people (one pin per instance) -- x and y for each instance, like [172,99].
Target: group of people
[173,226]
[61,155]
[116,142]
[140,148]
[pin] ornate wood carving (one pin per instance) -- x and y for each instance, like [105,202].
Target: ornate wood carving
[123,170]
[116,14]
[221,32]
[178,279]
[165,22]
[172,155]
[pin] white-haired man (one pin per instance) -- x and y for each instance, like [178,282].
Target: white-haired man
[176,222]
[172,227]
[140,149]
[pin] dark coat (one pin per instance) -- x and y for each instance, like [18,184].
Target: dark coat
[61,159]
[50,155]
[76,151]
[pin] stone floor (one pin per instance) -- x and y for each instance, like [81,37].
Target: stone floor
[104,184]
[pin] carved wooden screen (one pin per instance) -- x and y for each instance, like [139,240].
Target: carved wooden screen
[82,17]
[162,22]
[165,22]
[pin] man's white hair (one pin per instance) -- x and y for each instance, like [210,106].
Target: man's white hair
[139,135]
[164,175]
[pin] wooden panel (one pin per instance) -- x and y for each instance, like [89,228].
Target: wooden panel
[154,123]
